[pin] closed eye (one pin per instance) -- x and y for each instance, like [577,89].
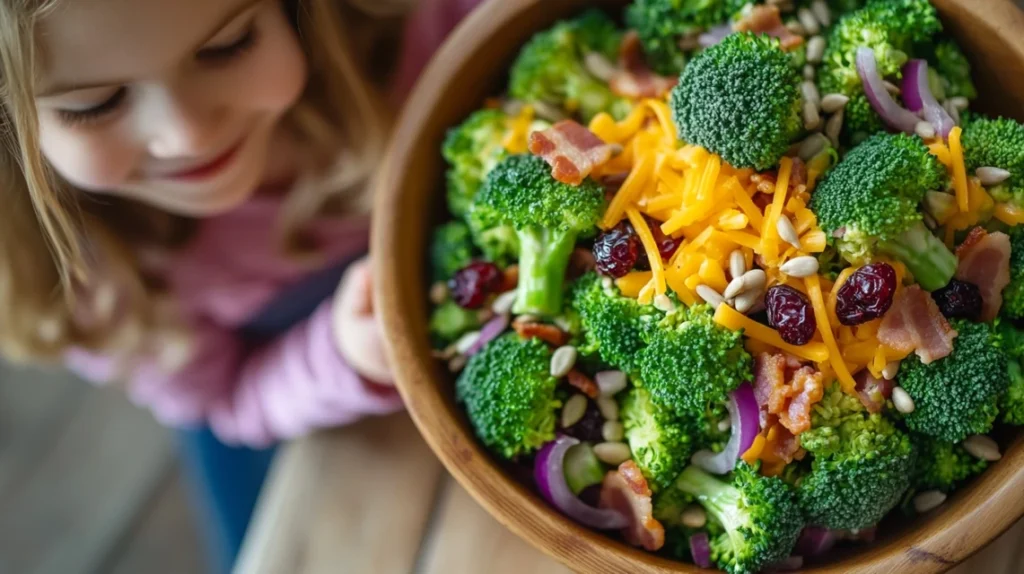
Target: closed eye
[244,43]
[95,113]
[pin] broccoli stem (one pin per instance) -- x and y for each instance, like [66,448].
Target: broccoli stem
[720,499]
[927,258]
[543,258]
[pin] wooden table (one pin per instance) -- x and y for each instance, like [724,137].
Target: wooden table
[373,499]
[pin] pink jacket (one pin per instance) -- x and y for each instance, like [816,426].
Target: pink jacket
[230,271]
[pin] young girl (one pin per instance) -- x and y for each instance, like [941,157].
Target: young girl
[184,187]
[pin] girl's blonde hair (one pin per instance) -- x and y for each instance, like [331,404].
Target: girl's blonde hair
[53,240]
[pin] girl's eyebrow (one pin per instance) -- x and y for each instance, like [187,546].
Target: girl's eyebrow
[58,89]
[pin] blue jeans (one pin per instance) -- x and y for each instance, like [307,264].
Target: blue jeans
[225,481]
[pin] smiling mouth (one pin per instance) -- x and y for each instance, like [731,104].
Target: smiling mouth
[209,169]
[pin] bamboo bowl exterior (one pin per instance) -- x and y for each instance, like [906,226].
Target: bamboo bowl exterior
[471,66]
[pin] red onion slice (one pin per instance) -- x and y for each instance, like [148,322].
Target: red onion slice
[918,97]
[700,548]
[896,117]
[815,541]
[745,418]
[549,472]
[489,332]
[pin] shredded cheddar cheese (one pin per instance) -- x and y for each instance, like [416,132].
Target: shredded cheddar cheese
[517,139]
[813,285]
[956,153]
[653,254]
[729,318]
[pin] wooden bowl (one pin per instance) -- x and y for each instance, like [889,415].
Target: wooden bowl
[473,65]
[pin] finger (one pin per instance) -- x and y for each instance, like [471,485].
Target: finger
[356,292]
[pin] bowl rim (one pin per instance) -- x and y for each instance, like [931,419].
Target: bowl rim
[979,512]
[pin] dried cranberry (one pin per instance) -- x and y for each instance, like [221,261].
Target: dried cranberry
[667,245]
[616,251]
[959,300]
[791,314]
[588,428]
[473,283]
[866,295]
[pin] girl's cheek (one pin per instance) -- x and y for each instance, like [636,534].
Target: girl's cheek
[92,159]
[274,74]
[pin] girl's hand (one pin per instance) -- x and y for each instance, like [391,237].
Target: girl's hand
[357,332]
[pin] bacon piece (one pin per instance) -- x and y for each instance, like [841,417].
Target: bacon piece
[626,490]
[873,392]
[571,150]
[550,334]
[985,262]
[585,384]
[786,445]
[786,390]
[765,18]
[914,323]
[634,79]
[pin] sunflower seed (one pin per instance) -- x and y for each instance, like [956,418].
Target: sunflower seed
[821,12]
[891,87]
[725,424]
[832,103]
[952,111]
[755,278]
[607,283]
[438,292]
[991,175]
[610,382]
[465,342]
[613,453]
[737,263]
[503,303]
[663,303]
[562,361]
[929,221]
[612,431]
[925,130]
[928,500]
[562,323]
[808,21]
[803,266]
[960,103]
[834,127]
[808,72]
[983,447]
[457,363]
[609,408]
[745,301]
[787,232]
[694,516]
[599,66]
[890,370]
[815,49]
[573,410]
[709,295]
[546,111]
[812,146]
[812,119]
[796,28]
[902,400]
[810,93]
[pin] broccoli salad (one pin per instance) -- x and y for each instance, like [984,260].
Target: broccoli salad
[736,282]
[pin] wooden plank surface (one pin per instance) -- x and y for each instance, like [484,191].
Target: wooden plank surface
[67,502]
[352,500]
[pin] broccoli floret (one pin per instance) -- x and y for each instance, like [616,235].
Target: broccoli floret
[548,216]
[741,100]
[997,143]
[690,361]
[509,395]
[451,249]
[659,440]
[759,516]
[890,28]
[472,149]
[550,67]
[957,396]
[448,322]
[954,70]
[611,323]
[871,199]
[1011,404]
[860,468]
[661,24]
[943,465]
[498,242]
[1013,293]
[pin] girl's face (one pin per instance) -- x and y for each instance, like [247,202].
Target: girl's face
[169,102]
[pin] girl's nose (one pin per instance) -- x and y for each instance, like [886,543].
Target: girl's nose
[183,127]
